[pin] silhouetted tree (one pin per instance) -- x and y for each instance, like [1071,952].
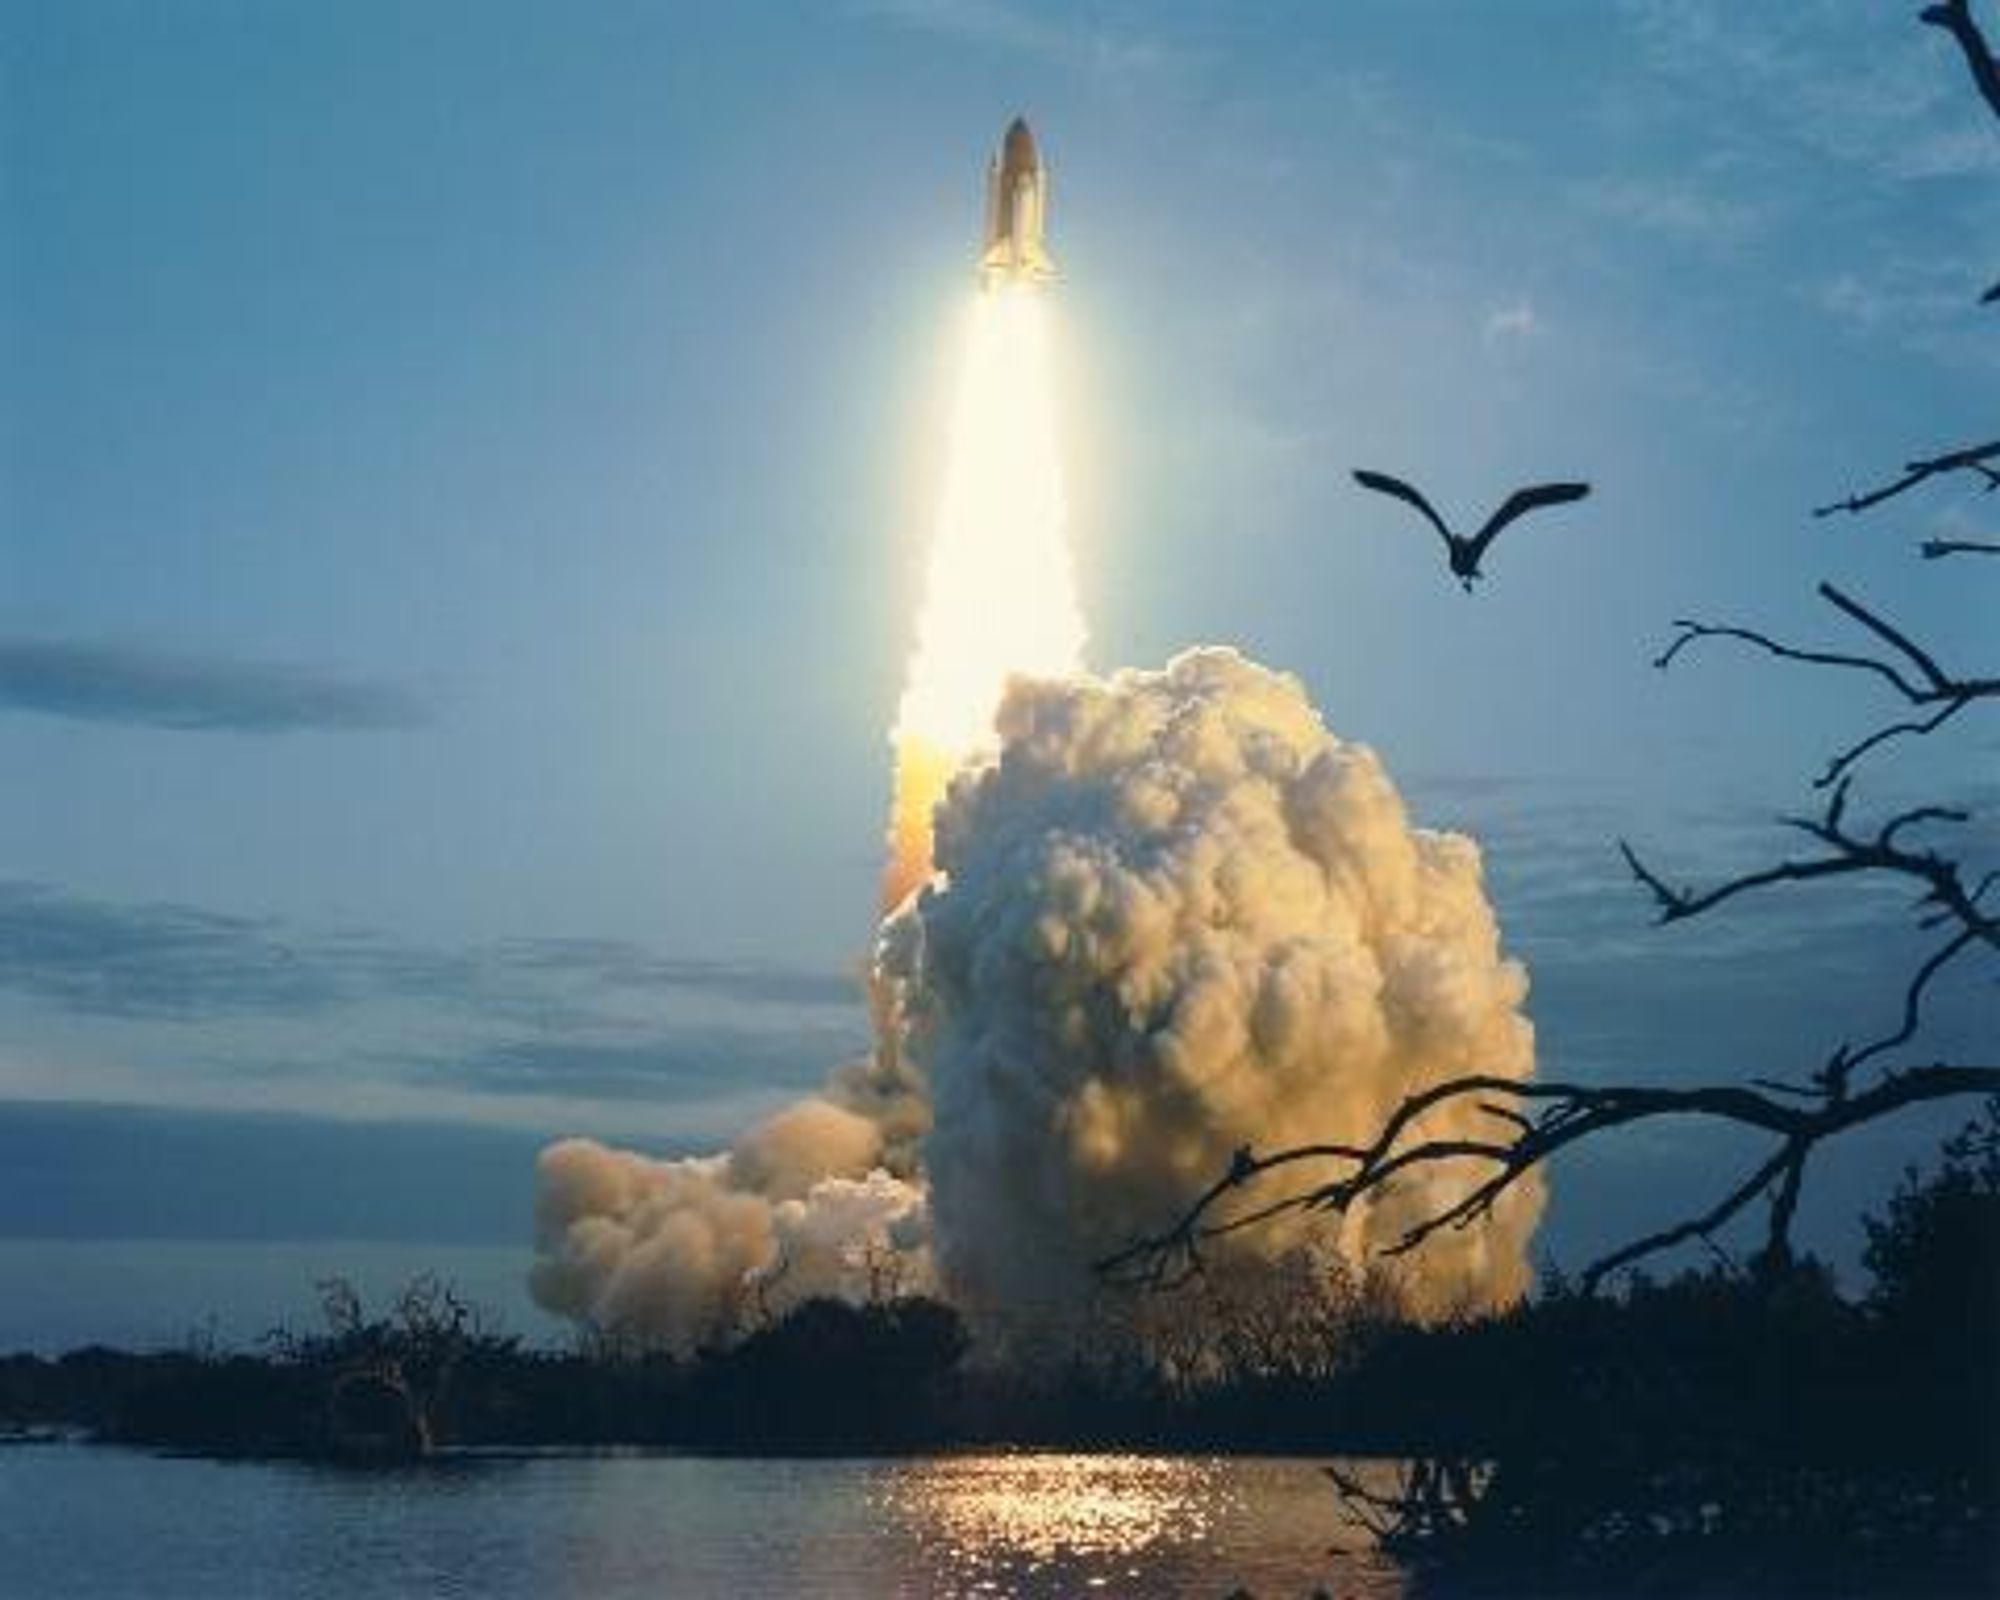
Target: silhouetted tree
[388,1380]
[1935,1257]
[1859,1082]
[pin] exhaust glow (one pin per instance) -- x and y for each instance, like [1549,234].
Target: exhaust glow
[998,598]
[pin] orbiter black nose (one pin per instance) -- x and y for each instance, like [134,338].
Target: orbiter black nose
[1018,149]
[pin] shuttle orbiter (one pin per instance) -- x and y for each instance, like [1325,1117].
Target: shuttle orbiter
[1017,199]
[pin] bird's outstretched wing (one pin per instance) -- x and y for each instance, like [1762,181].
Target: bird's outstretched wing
[1519,504]
[1382,483]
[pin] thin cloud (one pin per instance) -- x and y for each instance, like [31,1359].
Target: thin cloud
[174,961]
[150,960]
[1673,208]
[1107,50]
[617,963]
[1902,110]
[1923,304]
[678,1064]
[1514,321]
[138,687]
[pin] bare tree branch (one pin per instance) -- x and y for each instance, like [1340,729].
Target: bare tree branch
[1917,677]
[1703,1227]
[1895,638]
[1431,1496]
[1974,458]
[1844,1061]
[1945,894]
[1847,853]
[1933,549]
[1569,1113]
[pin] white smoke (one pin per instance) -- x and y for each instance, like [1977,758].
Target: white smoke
[1171,916]
[678,1254]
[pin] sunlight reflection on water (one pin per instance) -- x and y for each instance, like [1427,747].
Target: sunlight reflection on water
[1028,1515]
[1070,1524]
[87,1523]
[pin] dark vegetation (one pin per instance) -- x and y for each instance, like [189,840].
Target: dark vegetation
[1764,1428]
[1734,1371]
[1740,1434]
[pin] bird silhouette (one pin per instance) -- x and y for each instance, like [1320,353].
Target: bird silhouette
[1242,1165]
[1465,553]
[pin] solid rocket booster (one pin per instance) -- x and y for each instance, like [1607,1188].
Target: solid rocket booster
[1017,198]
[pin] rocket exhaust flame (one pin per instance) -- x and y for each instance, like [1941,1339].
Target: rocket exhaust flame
[999,597]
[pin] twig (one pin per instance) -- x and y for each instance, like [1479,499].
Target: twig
[1847,853]
[1933,549]
[1571,1112]
[1917,678]
[1974,458]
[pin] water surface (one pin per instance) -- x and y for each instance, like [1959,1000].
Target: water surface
[79,1520]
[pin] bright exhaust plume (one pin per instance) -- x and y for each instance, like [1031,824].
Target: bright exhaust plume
[999,598]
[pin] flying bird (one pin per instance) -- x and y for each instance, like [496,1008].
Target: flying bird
[1465,553]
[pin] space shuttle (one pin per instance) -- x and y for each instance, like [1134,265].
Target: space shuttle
[1017,199]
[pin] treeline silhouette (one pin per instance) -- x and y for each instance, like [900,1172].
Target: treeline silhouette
[1757,1432]
[1716,1367]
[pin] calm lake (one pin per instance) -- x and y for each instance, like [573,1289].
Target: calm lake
[80,1520]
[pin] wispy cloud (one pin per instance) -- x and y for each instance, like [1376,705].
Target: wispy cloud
[619,964]
[1515,320]
[688,1063]
[151,960]
[1860,133]
[1104,46]
[158,689]
[1672,207]
[560,1021]
[1923,303]
[168,960]
[1900,109]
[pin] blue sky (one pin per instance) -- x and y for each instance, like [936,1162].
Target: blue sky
[463,471]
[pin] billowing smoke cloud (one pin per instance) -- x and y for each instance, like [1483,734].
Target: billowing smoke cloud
[1172,915]
[680,1254]
[1175,917]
